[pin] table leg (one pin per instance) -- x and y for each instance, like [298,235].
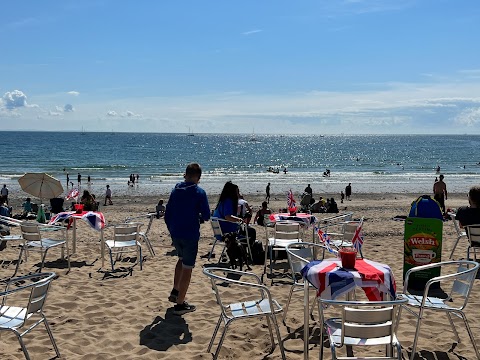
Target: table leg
[74,236]
[102,248]
[306,326]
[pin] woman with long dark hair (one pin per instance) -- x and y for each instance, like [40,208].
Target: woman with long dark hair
[227,209]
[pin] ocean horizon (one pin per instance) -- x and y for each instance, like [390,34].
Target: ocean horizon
[372,163]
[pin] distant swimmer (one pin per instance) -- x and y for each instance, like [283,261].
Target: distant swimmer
[438,169]
[284,170]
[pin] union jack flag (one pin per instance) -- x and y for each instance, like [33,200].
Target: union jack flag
[291,200]
[72,194]
[325,239]
[357,239]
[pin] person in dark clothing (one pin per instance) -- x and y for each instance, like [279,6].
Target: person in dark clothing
[186,208]
[470,215]
[79,179]
[348,191]
[308,190]
[267,190]
[333,207]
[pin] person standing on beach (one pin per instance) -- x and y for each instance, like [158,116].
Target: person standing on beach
[68,180]
[4,193]
[79,179]
[267,190]
[342,196]
[348,191]
[187,206]
[308,190]
[440,192]
[108,196]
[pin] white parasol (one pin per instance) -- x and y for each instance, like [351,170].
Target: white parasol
[40,185]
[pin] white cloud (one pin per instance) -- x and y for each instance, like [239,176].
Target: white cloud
[54,113]
[251,32]
[68,108]
[112,113]
[468,117]
[130,114]
[74,93]
[14,99]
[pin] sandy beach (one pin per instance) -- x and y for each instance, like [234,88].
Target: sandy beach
[96,314]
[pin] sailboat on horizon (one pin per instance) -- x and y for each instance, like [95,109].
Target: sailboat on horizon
[190,132]
[253,137]
[83,131]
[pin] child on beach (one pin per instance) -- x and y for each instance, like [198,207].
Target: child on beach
[160,209]
[187,206]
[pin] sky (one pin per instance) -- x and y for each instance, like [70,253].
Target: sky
[241,66]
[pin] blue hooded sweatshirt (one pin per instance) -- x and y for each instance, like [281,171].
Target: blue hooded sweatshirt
[188,204]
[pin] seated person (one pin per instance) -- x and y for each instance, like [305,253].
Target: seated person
[470,215]
[244,210]
[260,215]
[27,206]
[88,201]
[160,209]
[333,207]
[227,208]
[5,210]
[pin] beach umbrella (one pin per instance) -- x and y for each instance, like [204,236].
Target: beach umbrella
[40,185]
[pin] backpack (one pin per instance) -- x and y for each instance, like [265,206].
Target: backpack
[426,207]
[258,254]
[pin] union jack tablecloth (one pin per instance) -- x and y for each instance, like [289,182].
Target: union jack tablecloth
[332,280]
[95,219]
[303,218]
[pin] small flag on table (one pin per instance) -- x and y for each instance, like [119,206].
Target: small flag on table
[358,236]
[291,204]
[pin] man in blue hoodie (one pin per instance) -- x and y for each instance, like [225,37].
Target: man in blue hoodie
[187,206]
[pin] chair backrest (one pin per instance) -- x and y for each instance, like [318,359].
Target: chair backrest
[56,205]
[463,281]
[349,228]
[126,232]
[473,232]
[38,284]
[30,232]
[301,253]
[217,229]
[367,319]
[287,231]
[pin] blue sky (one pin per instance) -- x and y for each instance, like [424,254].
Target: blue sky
[272,66]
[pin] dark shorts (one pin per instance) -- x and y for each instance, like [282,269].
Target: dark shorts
[187,250]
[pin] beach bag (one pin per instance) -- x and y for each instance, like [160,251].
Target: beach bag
[426,207]
[258,254]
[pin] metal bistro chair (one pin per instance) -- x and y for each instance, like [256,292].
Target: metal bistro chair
[299,255]
[125,237]
[459,280]
[362,323]
[14,318]
[144,234]
[285,233]
[252,300]
[34,241]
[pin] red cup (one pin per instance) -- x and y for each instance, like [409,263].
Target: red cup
[348,257]
[78,208]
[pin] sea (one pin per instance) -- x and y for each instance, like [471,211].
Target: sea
[371,163]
